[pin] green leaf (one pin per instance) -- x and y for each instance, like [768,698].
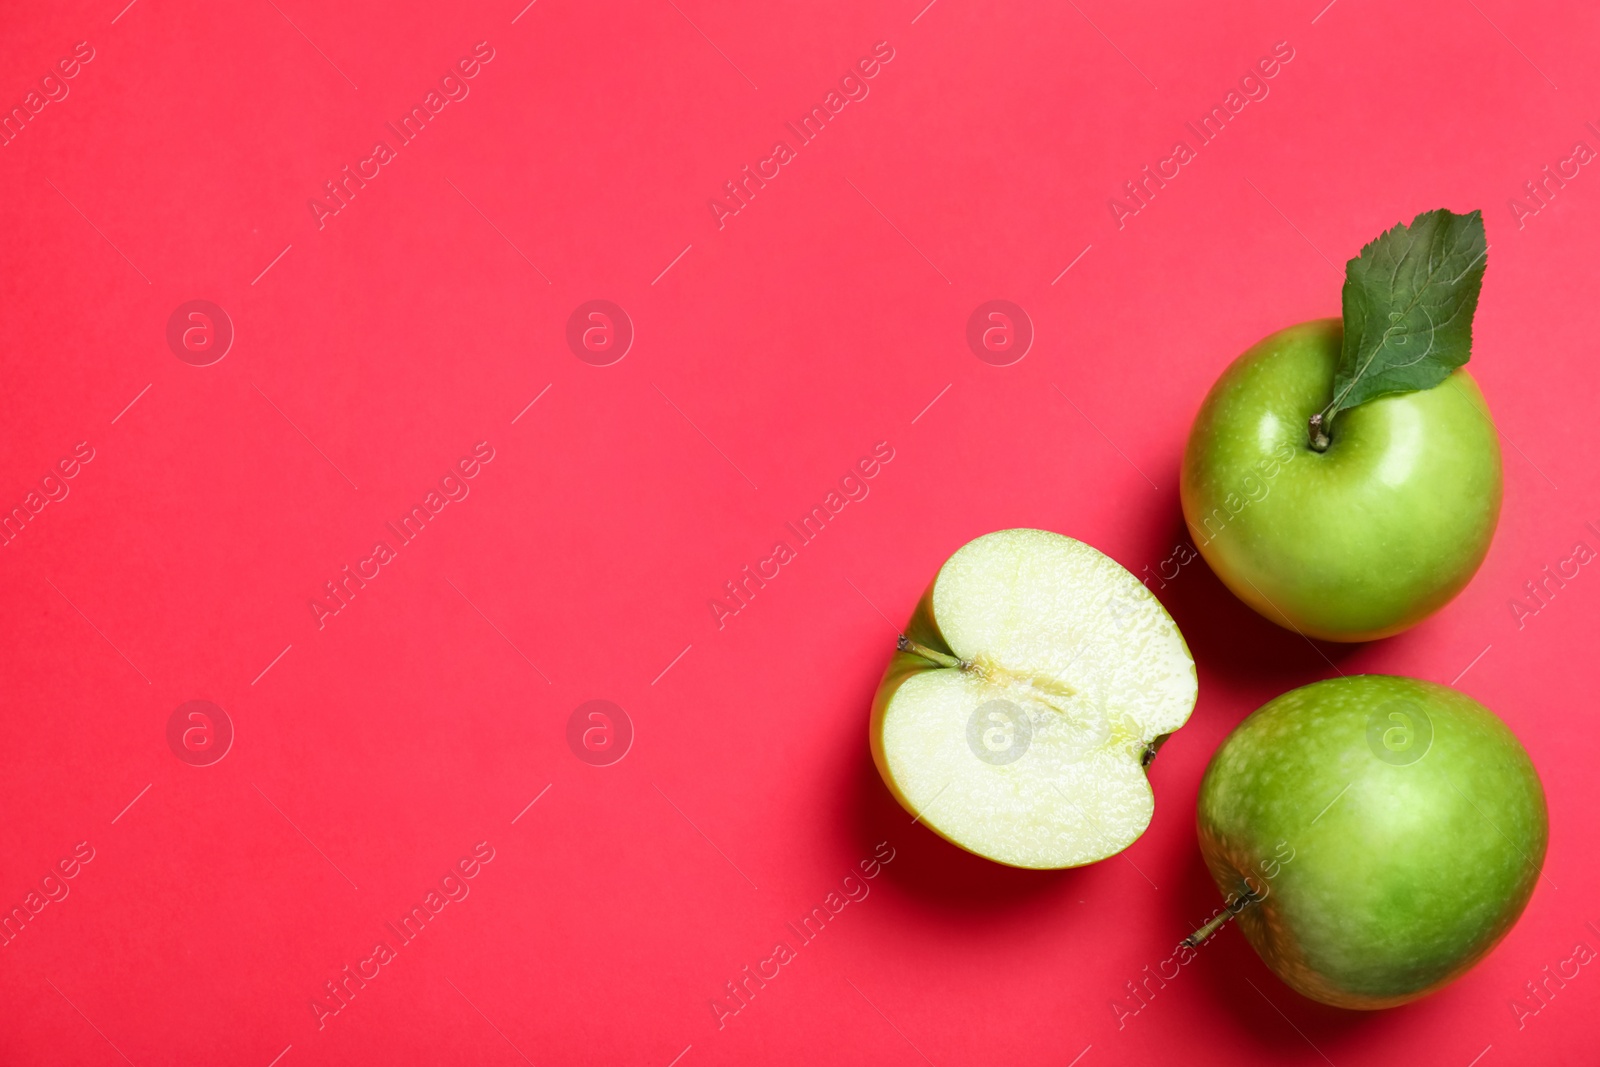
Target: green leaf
[1409,299]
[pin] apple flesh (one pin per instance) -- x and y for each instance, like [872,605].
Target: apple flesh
[1030,688]
[1355,543]
[1379,836]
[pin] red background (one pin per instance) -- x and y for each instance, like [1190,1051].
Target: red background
[821,319]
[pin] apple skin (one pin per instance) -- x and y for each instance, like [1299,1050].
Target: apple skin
[1395,887]
[902,666]
[1355,543]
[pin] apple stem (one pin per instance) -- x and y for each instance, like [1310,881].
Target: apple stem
[905,644]
[1232,908]
[1318,433]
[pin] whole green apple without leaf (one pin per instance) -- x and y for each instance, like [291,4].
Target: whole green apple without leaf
[1026,697]
[1376,836]
[1324,485]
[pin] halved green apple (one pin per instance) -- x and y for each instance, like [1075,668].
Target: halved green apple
[1031,688]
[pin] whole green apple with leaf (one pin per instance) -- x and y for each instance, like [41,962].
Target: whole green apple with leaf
[1343,477]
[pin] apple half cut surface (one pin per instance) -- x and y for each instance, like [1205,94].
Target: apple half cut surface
[1029,692]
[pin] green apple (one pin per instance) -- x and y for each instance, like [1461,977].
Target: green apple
[1343,480]
[1027,695]
[1377,836]
[1360,541]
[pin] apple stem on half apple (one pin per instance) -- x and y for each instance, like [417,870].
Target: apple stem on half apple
[905,644]
[1232,908]
[1044,686]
